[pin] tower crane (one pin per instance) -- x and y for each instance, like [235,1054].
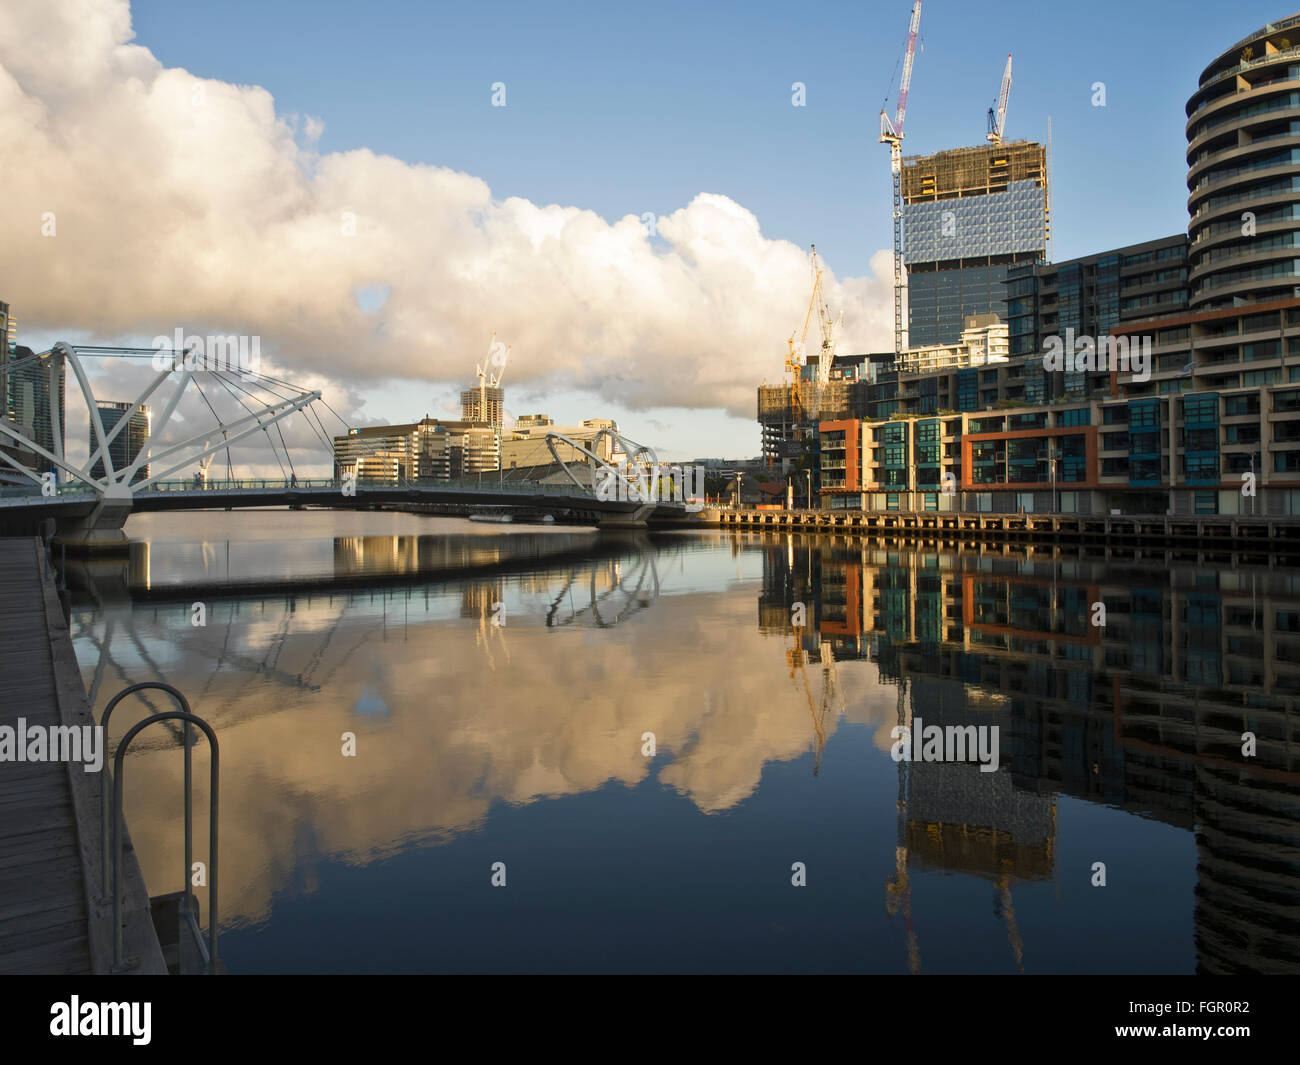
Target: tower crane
[490,374]
[998,121]
[826,358]
[891,133]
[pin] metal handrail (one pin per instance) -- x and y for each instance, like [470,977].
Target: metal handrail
[183,703]
[213,865]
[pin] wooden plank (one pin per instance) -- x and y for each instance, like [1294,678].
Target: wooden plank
[43,900]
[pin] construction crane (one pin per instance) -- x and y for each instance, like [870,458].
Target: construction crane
[998,120]
[891,133]
[794,367]
[826,358]
[490,374]
[797,662]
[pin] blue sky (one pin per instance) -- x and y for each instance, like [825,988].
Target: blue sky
[634,108]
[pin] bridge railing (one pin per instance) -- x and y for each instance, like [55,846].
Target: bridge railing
[35,491]
[327,484]
[20,494]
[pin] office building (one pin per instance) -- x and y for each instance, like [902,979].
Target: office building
[125,447]
[526,444]
[426,451]
[969,216]
[30,382]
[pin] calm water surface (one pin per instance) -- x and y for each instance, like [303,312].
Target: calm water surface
[523,742]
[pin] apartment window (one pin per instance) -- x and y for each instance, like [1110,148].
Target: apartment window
[1145,443]
[1261,349]
[1202,467]
[1114,441]
[1235,406]
[1076,416]
[1114,415]
[1144,471]
[1028,421]
[1286,462]
[1201,409]
[1253,323]
[1286,401]
[1144,413]
[1205,502]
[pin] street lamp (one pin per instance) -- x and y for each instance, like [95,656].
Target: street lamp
[808,474]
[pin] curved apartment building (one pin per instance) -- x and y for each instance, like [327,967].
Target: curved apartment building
[1243,172]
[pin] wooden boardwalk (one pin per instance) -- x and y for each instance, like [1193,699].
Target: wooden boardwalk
[52,918]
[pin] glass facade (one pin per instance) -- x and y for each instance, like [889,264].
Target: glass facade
[995,223]
[1144,442]
[29,382]
[938,301]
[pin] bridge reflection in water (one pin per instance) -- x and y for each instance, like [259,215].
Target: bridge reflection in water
[396,638]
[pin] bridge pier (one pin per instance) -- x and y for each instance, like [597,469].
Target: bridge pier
[101,529]
[633,519]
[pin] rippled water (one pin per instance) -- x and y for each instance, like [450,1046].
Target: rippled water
[500,683]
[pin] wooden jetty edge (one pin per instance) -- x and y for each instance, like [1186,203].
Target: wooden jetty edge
[53,916]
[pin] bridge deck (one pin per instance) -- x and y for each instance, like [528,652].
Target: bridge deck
[50,923]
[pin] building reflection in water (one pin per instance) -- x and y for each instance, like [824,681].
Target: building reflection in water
[1146,714]
[394,637]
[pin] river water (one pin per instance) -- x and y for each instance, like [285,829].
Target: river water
[677,749]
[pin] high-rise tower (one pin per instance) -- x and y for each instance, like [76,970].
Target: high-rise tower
[969,214]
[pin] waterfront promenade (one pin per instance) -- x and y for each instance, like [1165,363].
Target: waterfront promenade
[53,918]
[1240,532]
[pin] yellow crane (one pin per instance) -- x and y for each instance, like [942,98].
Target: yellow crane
[797,661]
[797,354]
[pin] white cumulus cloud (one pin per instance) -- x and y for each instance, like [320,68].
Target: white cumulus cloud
[183,201]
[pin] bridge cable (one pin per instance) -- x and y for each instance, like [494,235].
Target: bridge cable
[230,472]
[302,391]
[256,414]
[292,473]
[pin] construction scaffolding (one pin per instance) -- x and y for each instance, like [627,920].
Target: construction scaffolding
[786,424]
[975,171]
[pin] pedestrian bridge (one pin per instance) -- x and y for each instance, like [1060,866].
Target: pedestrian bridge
[89,501]
[82,518]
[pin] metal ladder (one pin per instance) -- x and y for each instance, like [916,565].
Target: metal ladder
[185,901]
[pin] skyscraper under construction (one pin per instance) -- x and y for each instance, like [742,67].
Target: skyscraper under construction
[969,214]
